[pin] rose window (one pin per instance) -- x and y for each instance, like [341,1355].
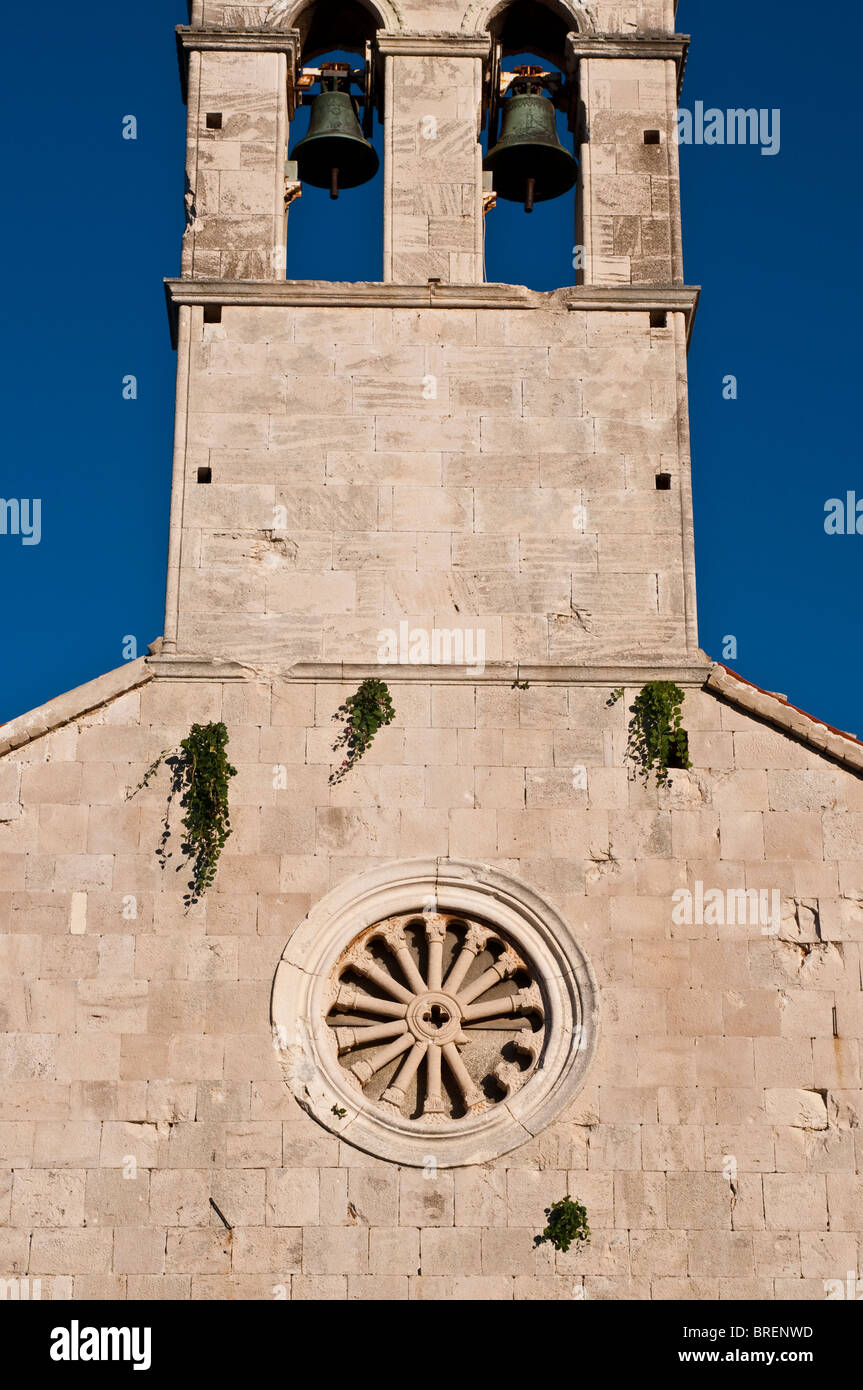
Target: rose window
[434,1010]
[435,1017]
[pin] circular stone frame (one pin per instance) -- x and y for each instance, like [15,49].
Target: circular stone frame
[302,997]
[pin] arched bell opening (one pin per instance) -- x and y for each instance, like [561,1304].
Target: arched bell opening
[530,145]
[335,154]
[530,26]
[481,17]
[328,24]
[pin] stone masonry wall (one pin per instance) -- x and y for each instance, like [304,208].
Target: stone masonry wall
[631,187]
[435,175]
[471,468]
[235,176]
[131,1029]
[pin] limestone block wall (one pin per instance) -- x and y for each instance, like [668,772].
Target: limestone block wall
[433,163]
[631,195]
[235,176]
[633,16]
[716,1142]
[441,467]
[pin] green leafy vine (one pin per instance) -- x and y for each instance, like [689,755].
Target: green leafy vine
[200,772]
[363,714]
[657,740]
[567,1222]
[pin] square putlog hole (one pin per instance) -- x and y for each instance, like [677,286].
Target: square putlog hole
[653,137]
[205,475]
[214,120]
[663,482]
[658,318]
[212,313]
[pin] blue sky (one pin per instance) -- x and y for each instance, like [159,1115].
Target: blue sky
[95,223]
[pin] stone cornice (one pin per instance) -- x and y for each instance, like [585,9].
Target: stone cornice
[632,47]
[689,671]
[432,45]
[191,40]
[171,666]
[378,295]
[500,673]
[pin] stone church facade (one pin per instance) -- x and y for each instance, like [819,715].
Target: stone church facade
[648,997]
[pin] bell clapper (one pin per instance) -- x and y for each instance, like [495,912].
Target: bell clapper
[528,197]
[334,183]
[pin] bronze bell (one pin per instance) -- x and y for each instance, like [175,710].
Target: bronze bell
[334,153]
[529,164]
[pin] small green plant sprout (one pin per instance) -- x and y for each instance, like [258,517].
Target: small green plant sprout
[657,739]
[339,1112]
[567,1222]
[520,685]
[363,714]
[200,772]
[615,696]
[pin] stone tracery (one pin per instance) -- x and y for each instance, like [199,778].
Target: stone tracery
[435,1017]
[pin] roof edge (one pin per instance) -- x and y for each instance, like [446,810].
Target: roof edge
[775,709]
[74,704]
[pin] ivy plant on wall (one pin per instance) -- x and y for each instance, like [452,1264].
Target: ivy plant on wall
[657,740]
[200,772]
[363,713]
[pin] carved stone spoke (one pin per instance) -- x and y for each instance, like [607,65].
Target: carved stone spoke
[436,975]
[473,943]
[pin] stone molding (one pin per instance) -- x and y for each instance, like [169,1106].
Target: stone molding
[775,709]
[433,45]
[187,667]
[191,40]
[498,673]
[178,667]
[74,704]
[379,295]
[237,40]
[303,993]
[632,48]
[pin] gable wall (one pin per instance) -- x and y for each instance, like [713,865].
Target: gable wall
[149,1036]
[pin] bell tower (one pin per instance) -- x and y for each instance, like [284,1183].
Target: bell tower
[431,449]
